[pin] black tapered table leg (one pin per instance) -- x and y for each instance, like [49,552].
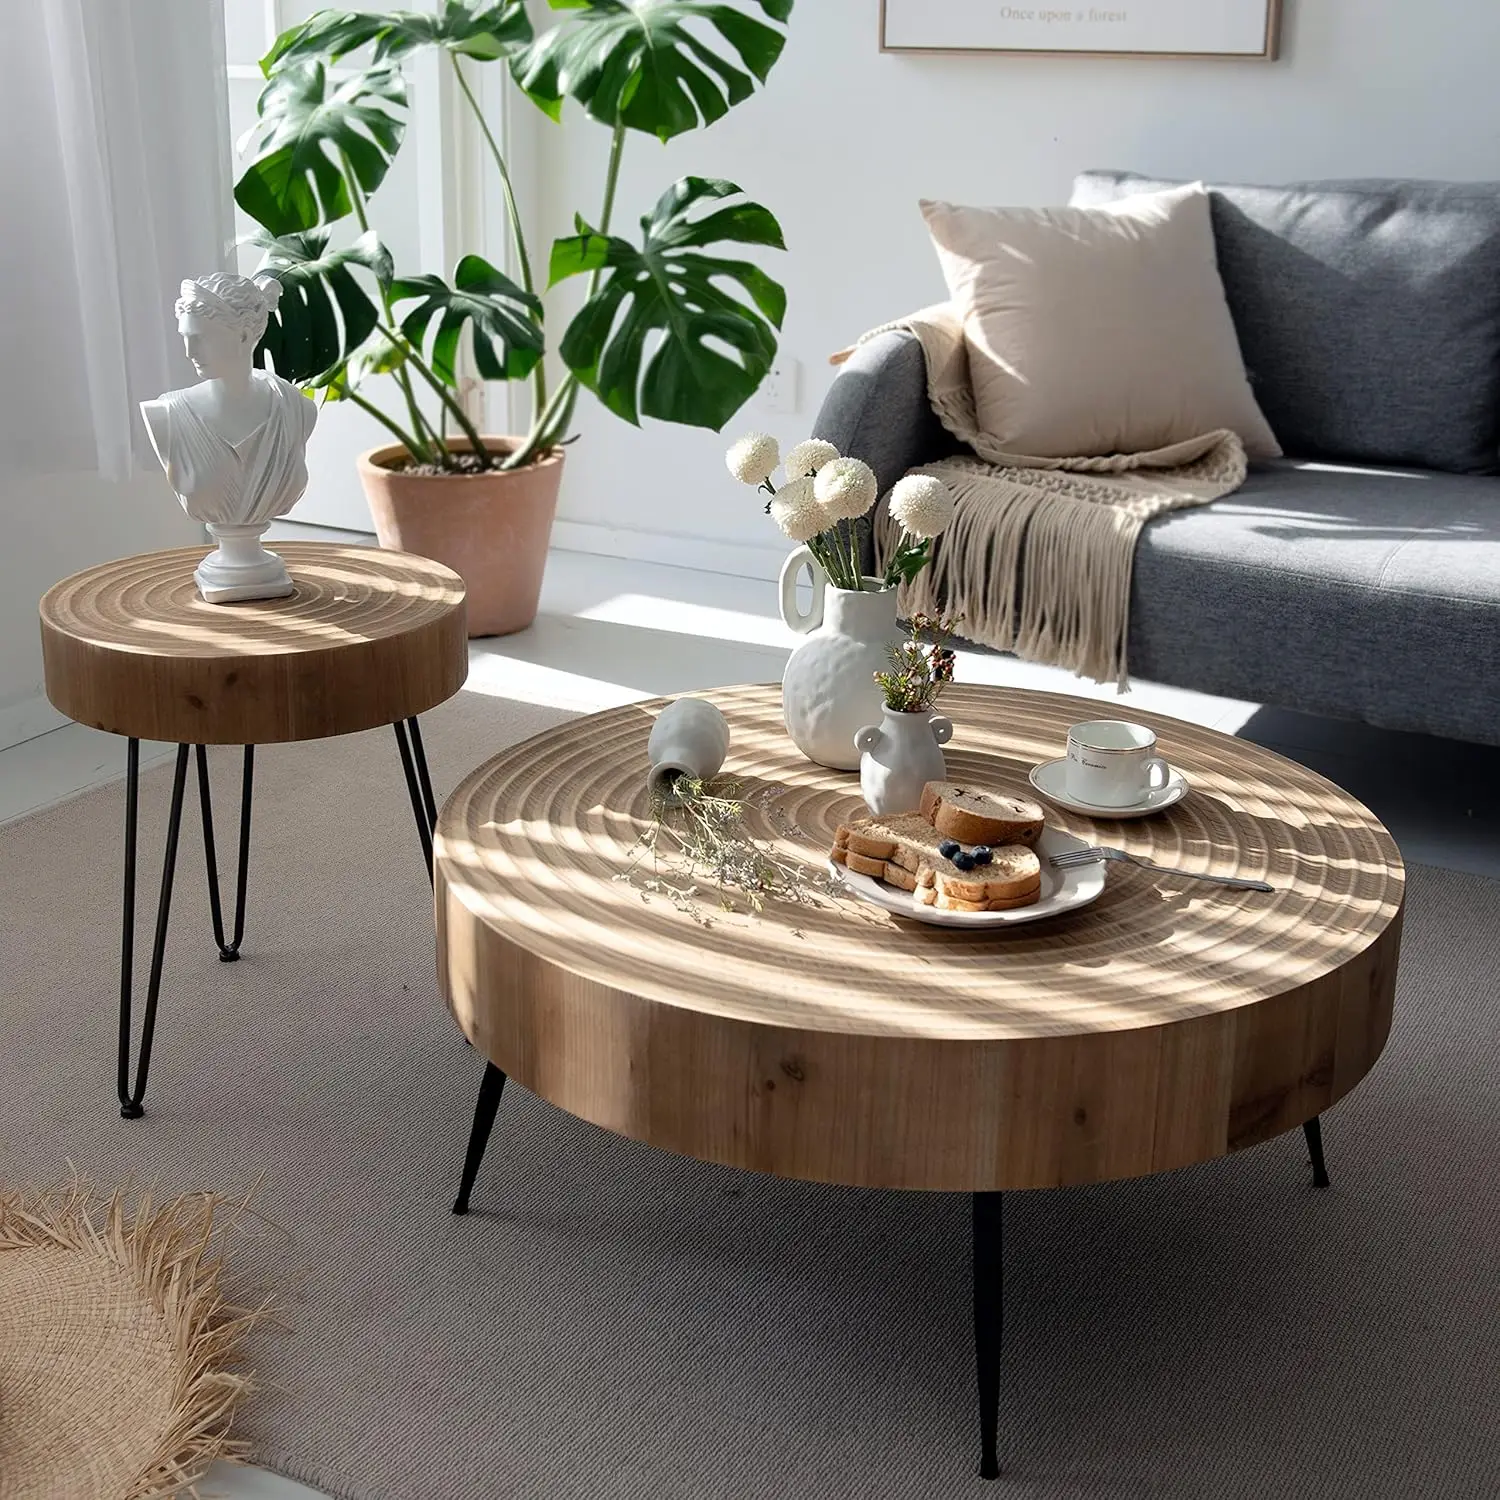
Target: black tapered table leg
[130,1098]
[491,1086]
[230,951]
[419,755]
[418,785]
[1313,1130]
[989,1301]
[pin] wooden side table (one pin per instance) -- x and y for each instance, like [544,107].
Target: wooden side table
[369,637]
[1168,1023]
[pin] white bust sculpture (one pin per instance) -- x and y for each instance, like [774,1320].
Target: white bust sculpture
[233,445]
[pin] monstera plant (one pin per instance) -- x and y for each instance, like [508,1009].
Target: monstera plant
[671,326]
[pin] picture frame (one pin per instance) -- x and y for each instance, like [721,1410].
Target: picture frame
[1235,30]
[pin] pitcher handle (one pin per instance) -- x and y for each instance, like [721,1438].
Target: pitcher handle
[795,619]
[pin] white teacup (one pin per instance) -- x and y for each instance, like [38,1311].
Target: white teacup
[1113,764]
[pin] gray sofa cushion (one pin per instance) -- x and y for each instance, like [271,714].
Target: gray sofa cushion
[1357,593]
[1368,312]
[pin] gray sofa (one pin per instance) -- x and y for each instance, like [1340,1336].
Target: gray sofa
[1359,577]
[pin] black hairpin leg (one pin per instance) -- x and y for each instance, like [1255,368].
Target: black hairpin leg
[491,1086]
[1313,1130]
[130,1099]
[230,951]
[989,1302]
[418,785]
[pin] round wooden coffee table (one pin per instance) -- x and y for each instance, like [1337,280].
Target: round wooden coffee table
[1168,1023]
[366,638]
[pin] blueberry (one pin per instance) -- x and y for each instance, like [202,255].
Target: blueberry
[948,848]
[964,861]
[983,854]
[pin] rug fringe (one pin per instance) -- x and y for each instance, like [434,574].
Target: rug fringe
[168,1250]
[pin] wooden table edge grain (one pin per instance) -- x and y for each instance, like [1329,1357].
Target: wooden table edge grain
[371,638]
[951,1113]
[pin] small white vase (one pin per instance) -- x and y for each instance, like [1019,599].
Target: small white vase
[690,738]
[828,689]
[899,756]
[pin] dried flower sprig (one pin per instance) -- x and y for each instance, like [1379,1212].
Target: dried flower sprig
[698,838]
[920,668]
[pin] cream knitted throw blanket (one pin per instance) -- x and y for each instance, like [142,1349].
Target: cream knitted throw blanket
[1039,557]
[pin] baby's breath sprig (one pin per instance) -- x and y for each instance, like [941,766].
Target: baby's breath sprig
[698,837]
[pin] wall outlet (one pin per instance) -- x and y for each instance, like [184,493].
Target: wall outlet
[779,390]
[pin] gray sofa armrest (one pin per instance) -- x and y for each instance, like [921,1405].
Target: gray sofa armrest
[878,409]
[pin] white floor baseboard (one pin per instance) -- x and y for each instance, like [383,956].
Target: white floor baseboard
[669,548]
[27,718]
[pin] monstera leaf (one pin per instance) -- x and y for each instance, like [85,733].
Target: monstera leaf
[652,65]
[379,356]
[308,138]
[324,313]
[506,321]
[485,29]
[669,286]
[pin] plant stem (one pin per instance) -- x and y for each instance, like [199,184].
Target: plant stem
[387,422]
[513,218]
[440,387]
[421,451]
[553,423]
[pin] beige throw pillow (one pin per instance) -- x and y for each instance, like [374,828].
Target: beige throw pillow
[1097,330]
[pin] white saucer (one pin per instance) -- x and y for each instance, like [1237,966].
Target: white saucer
[1062,890]
[1050,779]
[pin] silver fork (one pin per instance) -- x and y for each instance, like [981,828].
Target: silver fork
[1071,859]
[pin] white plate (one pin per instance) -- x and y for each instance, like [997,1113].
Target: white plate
[1062,890]
[1050,779]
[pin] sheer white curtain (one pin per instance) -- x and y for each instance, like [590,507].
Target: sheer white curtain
[114,185]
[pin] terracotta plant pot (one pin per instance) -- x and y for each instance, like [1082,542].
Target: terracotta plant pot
[491,529]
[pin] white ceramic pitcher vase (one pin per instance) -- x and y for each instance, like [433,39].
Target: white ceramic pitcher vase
[899,756]
[828,691]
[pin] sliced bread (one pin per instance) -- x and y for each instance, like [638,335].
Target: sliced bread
[930,896]
[902,850]
[972,816]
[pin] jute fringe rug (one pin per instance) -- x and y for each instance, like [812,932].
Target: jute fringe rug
[118,1348]
[1039,558]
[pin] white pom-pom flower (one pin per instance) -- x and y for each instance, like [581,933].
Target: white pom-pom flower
[753,459]
[796,510]
[922,505]
[807,458]
[846,488]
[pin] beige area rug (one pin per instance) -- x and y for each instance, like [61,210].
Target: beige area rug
[614,1322]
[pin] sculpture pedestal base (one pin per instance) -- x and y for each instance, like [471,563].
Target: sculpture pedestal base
[241,568]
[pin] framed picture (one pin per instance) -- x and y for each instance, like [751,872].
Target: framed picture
[1095,28]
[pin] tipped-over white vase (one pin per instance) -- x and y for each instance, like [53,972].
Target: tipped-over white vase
[234,444]
[899,756]
[690,738]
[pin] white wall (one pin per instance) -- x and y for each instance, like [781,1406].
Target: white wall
[57,524]
[845,140]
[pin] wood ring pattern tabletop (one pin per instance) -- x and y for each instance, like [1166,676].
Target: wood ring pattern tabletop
[1168,1023]
[368,638]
